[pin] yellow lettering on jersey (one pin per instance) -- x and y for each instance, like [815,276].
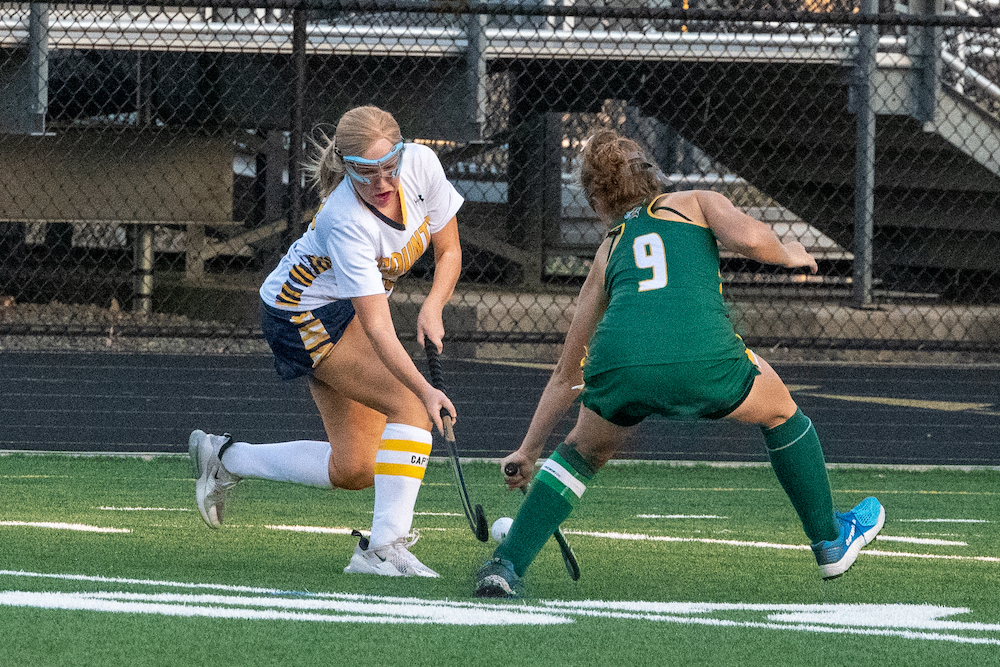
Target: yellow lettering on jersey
[400,262]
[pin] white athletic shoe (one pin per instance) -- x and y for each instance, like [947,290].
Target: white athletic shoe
[365,560]
[391,560]
[406,562]
[212,480]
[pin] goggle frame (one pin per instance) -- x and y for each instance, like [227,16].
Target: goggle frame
[352,162]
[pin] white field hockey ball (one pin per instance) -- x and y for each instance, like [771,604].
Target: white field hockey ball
[500,528]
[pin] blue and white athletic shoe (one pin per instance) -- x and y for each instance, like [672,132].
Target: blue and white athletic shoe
[497,579]
[857,528]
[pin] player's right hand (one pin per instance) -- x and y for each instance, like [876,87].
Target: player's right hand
[518,470]
[799,257]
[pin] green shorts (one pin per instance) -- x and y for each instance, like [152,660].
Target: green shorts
[708,389]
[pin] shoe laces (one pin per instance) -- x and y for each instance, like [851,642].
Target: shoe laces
[398,553]
[411,539]
[401,545]
[224,479]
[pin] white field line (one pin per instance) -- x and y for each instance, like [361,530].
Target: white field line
[915,492]
[34,476]
[396,609]
[666,538]
[943,520]
[908,621]
[870,632]
[315,529]
[903,554]
[763,489]
[639,537]
[65,526]
[283,609]
[229,588]
[339,530]
[680,516]
[922,540]
[870,620]
[144,509]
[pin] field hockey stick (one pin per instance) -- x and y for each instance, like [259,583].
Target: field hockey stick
[476,516]
[569,558]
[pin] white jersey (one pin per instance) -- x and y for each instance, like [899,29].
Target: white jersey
[348,251]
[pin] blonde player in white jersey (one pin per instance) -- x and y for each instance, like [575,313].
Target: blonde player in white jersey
[325,314]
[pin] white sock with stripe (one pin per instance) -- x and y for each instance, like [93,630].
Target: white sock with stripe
[299,461]
[399,471]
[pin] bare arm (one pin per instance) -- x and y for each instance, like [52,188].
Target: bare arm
[447,268]
[373,314]
[751,238]
[566,381]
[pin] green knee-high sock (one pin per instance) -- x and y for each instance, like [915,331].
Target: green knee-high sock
[556,491]
[797,459]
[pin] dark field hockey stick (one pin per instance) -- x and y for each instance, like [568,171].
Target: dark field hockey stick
[476,516]
[569,558]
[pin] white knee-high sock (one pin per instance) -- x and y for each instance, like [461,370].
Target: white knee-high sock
[399,470]
[300,461]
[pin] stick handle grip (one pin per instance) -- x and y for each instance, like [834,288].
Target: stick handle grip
[436,372]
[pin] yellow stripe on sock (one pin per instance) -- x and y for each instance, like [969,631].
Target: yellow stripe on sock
[399,470]
[407,446]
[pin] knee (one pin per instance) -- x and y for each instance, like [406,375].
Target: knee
[352,479]
[412,413]
[780,415]
[594,452]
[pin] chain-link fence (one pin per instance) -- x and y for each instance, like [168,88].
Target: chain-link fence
[152,156]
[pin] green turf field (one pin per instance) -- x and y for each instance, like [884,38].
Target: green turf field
[681,566]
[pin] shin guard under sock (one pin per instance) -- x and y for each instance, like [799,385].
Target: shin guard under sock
[557,489]
[798,462]
[399,470]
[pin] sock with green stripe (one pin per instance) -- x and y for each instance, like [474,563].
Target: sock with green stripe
[556,490]
[798,462]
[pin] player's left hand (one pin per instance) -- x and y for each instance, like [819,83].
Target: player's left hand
[434,402]
[430,327]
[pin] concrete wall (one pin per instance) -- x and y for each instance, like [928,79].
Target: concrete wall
[133,175]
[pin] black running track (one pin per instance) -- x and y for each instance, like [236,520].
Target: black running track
[881,414]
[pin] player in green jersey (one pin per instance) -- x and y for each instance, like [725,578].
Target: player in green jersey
[651,335]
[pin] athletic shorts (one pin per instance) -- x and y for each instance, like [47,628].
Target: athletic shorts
[300,340]
[708,389]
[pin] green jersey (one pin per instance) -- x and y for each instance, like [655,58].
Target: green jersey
[664,294]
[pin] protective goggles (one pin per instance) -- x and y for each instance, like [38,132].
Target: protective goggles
[365,171]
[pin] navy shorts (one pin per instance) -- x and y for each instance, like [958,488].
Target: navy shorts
[687,390]
[300,340]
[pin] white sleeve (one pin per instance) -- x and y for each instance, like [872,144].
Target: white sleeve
[443,200]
